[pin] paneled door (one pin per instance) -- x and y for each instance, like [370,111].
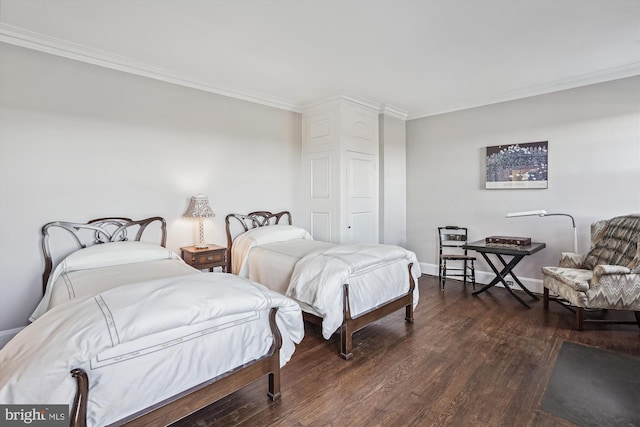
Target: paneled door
[361,198]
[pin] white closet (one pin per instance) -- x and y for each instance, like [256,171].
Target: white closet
[340,164]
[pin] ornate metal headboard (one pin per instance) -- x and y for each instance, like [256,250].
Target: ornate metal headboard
[97,231]
[249,221]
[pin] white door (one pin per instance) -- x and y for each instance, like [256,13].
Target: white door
[361,198]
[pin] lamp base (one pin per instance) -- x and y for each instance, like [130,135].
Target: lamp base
[201,246]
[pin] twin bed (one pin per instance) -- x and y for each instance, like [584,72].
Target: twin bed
[343,287]
[127,333]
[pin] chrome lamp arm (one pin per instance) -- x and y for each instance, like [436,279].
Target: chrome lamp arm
[544,213]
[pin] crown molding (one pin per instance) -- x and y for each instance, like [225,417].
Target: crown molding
[601,76]
[344,96]
[386,109]
[392,111]
[31,40]
[363,102]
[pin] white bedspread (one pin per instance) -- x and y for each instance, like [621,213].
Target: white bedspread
[261,236]
[375,273]
[88,271]
[271,264]
[176,326]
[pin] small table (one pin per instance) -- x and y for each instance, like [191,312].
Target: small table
[517,252]
[206,258]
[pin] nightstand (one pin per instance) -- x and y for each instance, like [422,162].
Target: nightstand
[207,258]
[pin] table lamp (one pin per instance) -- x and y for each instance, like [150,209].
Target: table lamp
[544,213]
[199,208]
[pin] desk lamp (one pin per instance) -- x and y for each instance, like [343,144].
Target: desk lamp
[199,208]
[544,213]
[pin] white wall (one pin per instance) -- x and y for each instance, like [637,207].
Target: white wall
[594,170]
[393,182]
[79,141]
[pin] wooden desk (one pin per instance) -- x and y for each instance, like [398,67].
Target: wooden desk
[516,252]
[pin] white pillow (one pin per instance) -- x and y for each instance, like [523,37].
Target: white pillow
[116,253]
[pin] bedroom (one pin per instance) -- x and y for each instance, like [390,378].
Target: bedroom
[79,141]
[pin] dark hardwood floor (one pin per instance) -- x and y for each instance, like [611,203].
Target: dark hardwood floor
[466,361]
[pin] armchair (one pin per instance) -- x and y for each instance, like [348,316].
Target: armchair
[607,277]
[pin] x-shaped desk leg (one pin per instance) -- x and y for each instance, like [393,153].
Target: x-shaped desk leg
[515,278]
[502,275]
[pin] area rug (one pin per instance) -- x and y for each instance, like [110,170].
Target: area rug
[592,387]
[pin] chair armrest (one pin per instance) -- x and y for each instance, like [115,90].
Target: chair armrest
[610,269]
[571,260]
[614,274]
[605,270]
[614,286]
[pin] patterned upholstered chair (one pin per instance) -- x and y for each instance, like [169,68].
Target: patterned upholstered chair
[608,277]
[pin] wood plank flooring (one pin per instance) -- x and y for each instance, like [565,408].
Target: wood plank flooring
[466,361]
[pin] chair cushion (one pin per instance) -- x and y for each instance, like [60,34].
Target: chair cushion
[576,278]
[618,245]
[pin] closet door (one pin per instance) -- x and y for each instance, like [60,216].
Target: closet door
[361,198]
[322,188]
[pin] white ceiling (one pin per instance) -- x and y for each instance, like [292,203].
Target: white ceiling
[415,57]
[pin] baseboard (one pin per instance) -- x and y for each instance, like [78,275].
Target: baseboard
[5,336]
[484,277]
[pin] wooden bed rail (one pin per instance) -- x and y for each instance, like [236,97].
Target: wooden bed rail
[353,324]
[99,230]
[197,397]
[79,410]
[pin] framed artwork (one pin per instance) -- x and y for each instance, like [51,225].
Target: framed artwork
[517,166]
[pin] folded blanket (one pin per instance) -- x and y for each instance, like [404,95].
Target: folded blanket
[375,273]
